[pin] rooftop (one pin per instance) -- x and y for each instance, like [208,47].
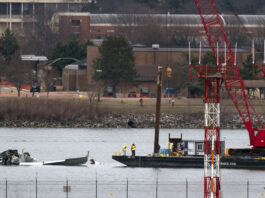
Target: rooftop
[195,49]
[175,19]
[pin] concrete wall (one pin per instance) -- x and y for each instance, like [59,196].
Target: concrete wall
[73,80]
[92,54]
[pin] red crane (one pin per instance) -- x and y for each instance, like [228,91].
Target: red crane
[234,84]
[226,71]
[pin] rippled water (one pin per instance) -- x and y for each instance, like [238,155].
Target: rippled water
[56,144]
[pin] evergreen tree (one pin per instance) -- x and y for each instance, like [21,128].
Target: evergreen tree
[247,71]
[72,50]
[175,4]
[116,63]
[150,3]
[209,59]
[8,45]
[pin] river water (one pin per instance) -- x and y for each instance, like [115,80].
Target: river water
[56,144]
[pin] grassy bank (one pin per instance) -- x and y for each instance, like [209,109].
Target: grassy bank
[38,109]
[80,109]
[183,105]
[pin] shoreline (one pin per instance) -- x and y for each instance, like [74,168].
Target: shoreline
[167,121]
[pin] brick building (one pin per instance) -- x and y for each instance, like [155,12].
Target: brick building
[146,62]
[102,25]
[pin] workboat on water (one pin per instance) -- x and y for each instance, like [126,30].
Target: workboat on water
[190,162]
[12,157]
[190,154]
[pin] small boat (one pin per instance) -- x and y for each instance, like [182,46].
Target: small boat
[12,157]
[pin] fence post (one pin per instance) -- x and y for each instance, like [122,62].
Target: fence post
[156,187]
[187,189]
[36,187]
[127,190]
[96,187]
[247,189]
[66,187]
[6,188]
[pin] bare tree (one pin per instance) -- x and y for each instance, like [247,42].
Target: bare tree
[92,92]
[238,34]
[134,8]
[41,38]
[48,78]
[144,29]
[181,36]
[18,73]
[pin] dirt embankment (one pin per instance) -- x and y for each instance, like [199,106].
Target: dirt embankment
[191,121]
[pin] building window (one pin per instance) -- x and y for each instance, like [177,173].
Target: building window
[99,30]
[27,8]
[98,36]
[3,8]
[110,31]
[77,35]
[200,147]
[75,23]
[16,8]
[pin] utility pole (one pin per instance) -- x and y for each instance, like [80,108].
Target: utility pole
[158,104]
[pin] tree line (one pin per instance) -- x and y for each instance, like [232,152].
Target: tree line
[18,72]
[116,65]
[173,6]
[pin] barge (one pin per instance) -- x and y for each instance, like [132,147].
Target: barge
[190,154]
[190,162]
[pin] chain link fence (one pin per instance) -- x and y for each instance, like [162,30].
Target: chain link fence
[123,189]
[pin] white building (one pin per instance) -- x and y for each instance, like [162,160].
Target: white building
[16,14]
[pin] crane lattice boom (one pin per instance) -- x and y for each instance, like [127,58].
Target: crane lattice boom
[227,67]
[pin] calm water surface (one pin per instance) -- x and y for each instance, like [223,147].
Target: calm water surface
[57,144]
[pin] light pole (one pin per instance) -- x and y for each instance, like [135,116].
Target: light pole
[99,71]
[169,75]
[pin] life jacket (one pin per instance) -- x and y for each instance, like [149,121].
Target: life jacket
[133,148]
[124,148]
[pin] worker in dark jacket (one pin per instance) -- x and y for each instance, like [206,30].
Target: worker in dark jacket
[133,147]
